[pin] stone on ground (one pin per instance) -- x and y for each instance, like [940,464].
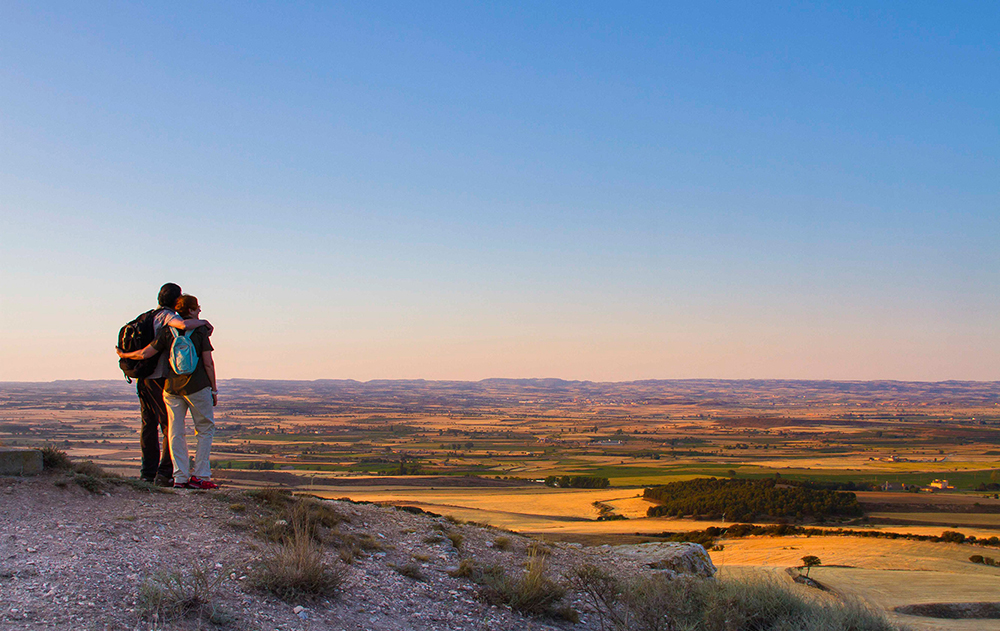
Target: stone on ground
[20,461]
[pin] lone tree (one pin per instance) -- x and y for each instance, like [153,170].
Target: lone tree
[810,561]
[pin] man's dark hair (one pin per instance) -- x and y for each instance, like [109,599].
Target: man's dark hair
[169,294]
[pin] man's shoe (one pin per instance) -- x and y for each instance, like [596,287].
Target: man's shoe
[162,480]
[198,483]
[183,485]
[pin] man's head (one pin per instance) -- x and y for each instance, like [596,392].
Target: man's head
[169,294]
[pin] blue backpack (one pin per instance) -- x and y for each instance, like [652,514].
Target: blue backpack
[183,355]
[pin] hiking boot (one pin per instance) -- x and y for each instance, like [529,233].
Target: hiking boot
[198,483]
[163,480]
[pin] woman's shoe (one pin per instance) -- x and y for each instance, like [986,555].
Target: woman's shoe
[198,483]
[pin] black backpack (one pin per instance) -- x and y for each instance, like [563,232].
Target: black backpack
[135,336]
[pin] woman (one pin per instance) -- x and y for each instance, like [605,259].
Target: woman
[196,392]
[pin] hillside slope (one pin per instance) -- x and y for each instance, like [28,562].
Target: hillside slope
[86,558]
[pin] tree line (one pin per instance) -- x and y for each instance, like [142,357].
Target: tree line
[744,500]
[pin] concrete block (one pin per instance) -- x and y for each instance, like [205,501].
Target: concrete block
[20,461]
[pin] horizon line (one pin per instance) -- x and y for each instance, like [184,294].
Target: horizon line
[624,381]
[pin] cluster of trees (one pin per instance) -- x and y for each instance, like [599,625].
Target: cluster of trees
[458,446]
[606,512]
[577,481]
[740,500]
[978,558]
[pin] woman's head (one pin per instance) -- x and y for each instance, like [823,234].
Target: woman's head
[187,306]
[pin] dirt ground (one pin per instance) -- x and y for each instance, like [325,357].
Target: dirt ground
[73,559]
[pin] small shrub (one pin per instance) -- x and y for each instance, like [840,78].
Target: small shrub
[456,539]
[88,468]
[601,590]
[567,613]
[409,570]
[454,520]
[142,485]
[532,593]
[322,513]
[433,539]
[467,568]
[54,459]
[536,549]
[271,529]
[502,543]
[421,557]
[296,569]
[355,544]
[177,595]
[271,496]
[348,554]
[367,542]
[89,483]
[236,507]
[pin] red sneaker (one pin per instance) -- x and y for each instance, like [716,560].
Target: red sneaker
[198,483]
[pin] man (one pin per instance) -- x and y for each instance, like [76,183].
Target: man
[157,466]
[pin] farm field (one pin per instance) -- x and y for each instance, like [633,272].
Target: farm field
[884,573]
[948,520]
[481,451]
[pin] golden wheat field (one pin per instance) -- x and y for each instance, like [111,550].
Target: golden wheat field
[884,573]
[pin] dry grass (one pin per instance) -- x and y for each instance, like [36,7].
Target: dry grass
[661,604]
[537,549]
[296,568]
[271,497]
[467,568]
[531,592]
[409,570]
[502,543]
[168,597]
[54,459]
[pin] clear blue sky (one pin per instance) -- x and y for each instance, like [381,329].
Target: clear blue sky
[600,191]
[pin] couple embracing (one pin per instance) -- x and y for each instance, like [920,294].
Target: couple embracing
[166,394]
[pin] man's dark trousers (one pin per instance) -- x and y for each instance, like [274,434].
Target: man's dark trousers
[154,423]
